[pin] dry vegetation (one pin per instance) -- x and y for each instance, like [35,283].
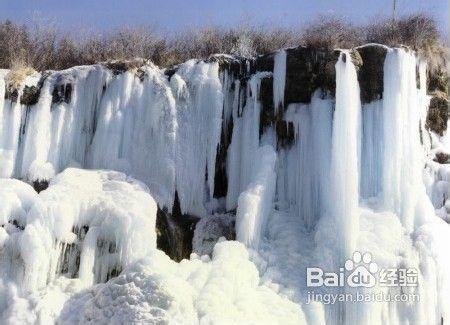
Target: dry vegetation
[45,48]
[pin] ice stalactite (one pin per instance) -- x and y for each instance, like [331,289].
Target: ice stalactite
[403,153]
[244,143]
[303,172]
[256,202]
[251,170]
[279,80]
[136,130]
[198,137]
[344,189]
[371,149]
[136,121]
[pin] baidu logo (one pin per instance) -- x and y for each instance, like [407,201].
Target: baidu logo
[361,271]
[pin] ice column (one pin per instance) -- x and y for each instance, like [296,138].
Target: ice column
[402,163]
[279,79]
[255,203]
[344,155]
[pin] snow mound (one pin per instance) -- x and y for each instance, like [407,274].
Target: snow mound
[87,224]
[208,231]
[224,290]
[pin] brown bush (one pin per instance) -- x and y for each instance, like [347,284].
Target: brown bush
[43,47]
[332,32]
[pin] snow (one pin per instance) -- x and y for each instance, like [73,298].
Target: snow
[224,290]
[101,218]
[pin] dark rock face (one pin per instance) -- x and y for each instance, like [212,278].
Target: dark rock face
[62,93]
[119,67]
[437,114]
[267,115]
[437,87]
[438,80]
[264,63]
[220,176]
[209,230]
[442,158]
[30,95]
[308,69]
[11,94]
[370,72]
[175,231]
[40,185]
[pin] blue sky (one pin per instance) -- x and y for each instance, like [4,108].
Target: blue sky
[177,15]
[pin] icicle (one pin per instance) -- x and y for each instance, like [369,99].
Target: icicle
[402,108]
[244,143]
[371,149]
[344,156]
[279,79]
[255,203]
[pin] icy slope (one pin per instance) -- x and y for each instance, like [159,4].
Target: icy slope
[87,227]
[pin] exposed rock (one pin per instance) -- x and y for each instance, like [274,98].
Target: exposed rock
[62,93]
[267,116]
[208,231]
[285,133]
[356,59]
[370,72]
[442,158]
[12,94]
[175,231]
[169,72]
[118,67]
[263,63]
[235,65]
[437,113]
[438,80]
[40,185]
[308,69]
[220,176]
[30,95]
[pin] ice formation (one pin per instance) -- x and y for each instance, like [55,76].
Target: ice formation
[344,190]
[116,145]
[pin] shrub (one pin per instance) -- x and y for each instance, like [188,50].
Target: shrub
[43,47]
[332,32]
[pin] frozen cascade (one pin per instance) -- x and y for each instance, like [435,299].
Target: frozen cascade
[371,149]
[84,250]
[344,189]
[141,127]
[403,156]
[279,79]
[255,203]
[244,143]
[88,225]
[303,172]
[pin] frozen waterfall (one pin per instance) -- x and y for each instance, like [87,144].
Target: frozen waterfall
[304,176]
